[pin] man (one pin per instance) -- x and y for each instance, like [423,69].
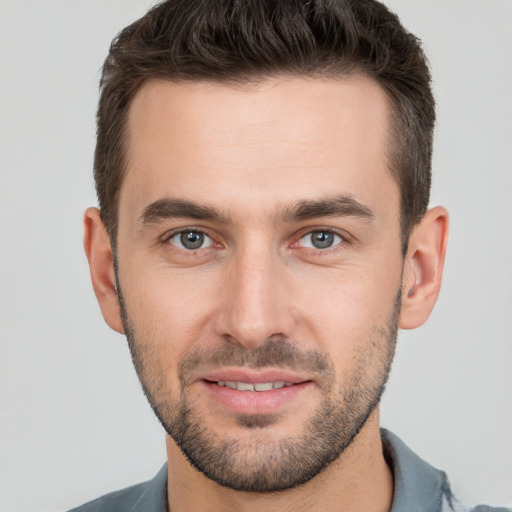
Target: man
[263,174]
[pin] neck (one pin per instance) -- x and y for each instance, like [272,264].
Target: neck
[358,480]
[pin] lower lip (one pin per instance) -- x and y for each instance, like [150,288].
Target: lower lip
[255,402]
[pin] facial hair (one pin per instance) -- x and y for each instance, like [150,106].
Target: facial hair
[260,463]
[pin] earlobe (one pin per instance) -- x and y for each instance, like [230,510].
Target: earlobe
[423,268]
[101,265]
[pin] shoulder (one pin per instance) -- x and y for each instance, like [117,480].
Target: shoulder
[150,496]
[487,508]
[418,485]
[451,504]
[114,501]
[458,507]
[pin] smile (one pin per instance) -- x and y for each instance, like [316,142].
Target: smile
[268,395]
[260,386]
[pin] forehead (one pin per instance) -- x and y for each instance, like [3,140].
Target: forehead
[266,143]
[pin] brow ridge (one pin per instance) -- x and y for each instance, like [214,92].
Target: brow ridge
[171,208]
[339,206]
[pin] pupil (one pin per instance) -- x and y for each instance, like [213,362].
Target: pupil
[321,239]
[192,240]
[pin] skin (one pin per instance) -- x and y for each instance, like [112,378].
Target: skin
[251,153]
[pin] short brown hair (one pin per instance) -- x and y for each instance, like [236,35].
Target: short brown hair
[233,41]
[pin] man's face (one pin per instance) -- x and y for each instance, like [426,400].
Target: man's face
[259,270]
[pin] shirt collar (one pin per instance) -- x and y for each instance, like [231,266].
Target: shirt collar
[419,487]
[154,496]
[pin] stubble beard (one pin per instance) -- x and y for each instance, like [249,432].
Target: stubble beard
[258,462]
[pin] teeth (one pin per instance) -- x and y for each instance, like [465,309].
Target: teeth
[263,386]
[260,386]
[243,386]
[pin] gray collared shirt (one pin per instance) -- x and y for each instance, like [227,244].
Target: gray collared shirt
[418,488]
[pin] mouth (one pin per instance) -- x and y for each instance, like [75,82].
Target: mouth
[242,391]
[249,386]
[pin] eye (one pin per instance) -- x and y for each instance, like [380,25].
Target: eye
[191,240]
[320,239]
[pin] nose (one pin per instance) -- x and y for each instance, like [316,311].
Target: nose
[257,305]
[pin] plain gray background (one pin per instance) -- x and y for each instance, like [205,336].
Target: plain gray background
[73,421]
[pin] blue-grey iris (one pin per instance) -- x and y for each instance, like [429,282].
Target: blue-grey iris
[322,239]
[192,240]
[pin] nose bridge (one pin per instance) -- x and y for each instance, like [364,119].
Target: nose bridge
[256,307]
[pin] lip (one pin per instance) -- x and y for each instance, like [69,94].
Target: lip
[254,376]
[255,402]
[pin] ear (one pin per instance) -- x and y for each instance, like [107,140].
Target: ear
[101,264]
[423,268]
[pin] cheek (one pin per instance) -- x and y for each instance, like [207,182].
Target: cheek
[349,309]
[166,308]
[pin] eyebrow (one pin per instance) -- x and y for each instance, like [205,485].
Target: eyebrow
[338,206]
[170,208]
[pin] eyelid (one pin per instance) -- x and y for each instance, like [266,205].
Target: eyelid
[299,235]
[335,243]
[345,237]
[169,235]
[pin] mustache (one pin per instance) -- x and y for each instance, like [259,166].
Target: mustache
[274,353]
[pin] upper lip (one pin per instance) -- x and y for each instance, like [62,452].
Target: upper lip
[254,376]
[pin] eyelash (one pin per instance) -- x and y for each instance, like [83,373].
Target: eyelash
[181,232]
[339,240]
